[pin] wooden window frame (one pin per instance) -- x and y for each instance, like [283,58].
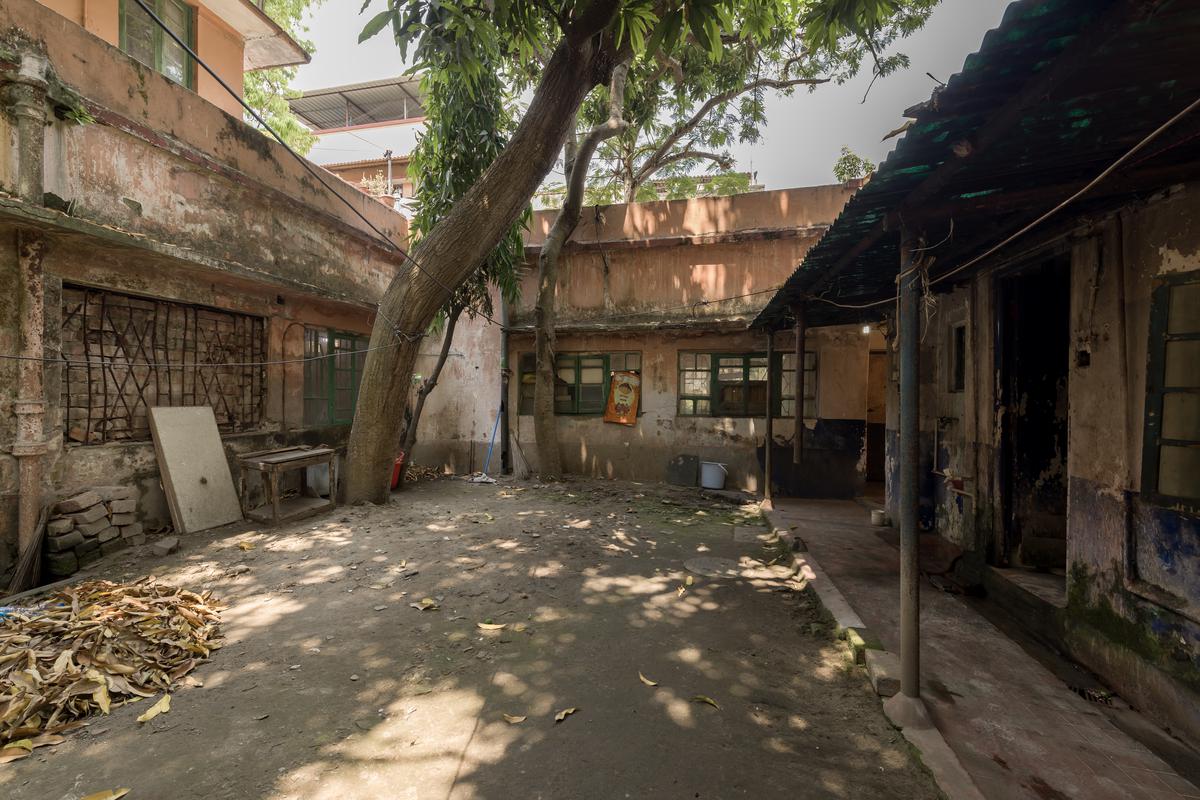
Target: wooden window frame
[124,6]
[527,366]
[329,369]
[774,374]
[1156,392]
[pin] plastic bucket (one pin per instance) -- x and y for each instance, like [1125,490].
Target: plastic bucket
[712,475]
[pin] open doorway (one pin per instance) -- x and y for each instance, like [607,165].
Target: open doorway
[876,419]
[1034,362]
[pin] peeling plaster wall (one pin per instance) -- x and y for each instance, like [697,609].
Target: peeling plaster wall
[593,447]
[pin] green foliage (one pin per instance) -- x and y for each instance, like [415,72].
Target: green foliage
[267,91]
[467,122]
[850,166]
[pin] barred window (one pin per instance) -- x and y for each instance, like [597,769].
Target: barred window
[126,354]
[1171,452]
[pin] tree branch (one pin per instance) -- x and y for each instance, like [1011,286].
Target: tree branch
[654,162]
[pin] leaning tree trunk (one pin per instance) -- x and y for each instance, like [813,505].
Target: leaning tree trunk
[578,160]
[410,433]
[458,244]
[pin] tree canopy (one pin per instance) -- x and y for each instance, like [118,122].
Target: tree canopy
[267,91]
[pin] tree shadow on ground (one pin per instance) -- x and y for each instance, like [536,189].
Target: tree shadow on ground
[333,686]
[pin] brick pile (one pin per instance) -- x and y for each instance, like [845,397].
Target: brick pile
[90,525]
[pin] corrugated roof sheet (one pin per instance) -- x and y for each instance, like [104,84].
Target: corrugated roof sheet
[361,103]
[1111,71]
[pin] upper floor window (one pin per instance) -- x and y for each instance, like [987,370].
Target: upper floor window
[1171,452]
[144,40]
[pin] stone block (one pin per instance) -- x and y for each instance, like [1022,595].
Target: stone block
[59,526]
[136,539]
[92,528]
[129,531]
[62,564]
[87,547]
[166,545]
[90,514]
[123,519]
[126,505]
[113,493]
[65,541]
[79,502]
[883,668]
[114,545]
[108,534]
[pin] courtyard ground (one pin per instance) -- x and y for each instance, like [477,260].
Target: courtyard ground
[356,667]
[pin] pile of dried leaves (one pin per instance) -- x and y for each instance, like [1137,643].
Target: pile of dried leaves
[417,472]
[92,646]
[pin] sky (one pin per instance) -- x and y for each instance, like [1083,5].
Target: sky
[803,135]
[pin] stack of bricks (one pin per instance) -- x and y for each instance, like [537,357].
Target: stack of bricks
[89,525]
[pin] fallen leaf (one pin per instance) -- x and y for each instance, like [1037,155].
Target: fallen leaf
[10,753]
[679,592]
[566,712]
[512,720]
[700,698]
[246,545]
[491,626]
[23,744]
[425,604]
[646,680]
[107,794]
[520,627]
[687,581]
[161,707]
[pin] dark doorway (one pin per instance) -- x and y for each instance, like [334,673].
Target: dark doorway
[1034,366]
[877,365]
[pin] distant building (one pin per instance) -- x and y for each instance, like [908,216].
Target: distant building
[366,132]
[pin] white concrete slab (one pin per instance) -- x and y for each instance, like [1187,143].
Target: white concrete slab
[195,473]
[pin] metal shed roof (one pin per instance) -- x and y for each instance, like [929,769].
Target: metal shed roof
[387,100]
[1055,94]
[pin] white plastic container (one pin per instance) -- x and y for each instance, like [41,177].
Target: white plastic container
[712,475]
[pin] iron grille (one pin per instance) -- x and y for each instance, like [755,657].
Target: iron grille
[127,354]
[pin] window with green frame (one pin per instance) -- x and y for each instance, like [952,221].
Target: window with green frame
[1171,450]
[580,382]
[144,40]
[332,375]
[735,384]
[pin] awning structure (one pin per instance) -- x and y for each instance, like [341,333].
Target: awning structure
[267,44]
[388,100]
[1054,96]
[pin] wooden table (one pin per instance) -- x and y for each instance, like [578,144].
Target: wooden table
[270,464]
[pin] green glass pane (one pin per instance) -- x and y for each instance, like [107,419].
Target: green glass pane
[591,375]
[1181,416]
[703,361]
[1184,313]
[1179,471]
[1183,363]
[139,34]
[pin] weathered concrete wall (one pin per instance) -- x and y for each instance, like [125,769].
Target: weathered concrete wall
[1132,582]
[590,446]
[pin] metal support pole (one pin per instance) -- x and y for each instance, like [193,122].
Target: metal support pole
[769,430]
[801,333]
[910,474]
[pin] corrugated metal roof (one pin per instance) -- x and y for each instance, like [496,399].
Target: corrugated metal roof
[1056,93]
[384,100]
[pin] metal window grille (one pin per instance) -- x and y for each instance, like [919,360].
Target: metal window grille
[127,354]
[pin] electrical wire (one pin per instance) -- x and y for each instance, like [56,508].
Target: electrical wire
[410,337]
[1030,226]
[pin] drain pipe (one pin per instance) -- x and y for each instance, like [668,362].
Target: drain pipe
[505,373]
[27,105]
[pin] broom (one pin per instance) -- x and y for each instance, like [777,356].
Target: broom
[29,565]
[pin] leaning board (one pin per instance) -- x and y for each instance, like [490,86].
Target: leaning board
[195,474]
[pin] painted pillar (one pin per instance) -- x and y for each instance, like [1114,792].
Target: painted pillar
[910,473]
[769,429]
[801,332]
[26,99]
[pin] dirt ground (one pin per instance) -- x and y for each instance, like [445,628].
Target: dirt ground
[332,685]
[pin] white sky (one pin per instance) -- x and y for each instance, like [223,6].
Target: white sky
[804,132]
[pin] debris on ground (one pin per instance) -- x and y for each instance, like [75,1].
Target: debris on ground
[93,646]
[417,472]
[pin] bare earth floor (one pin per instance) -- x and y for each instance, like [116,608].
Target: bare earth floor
[332,686]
